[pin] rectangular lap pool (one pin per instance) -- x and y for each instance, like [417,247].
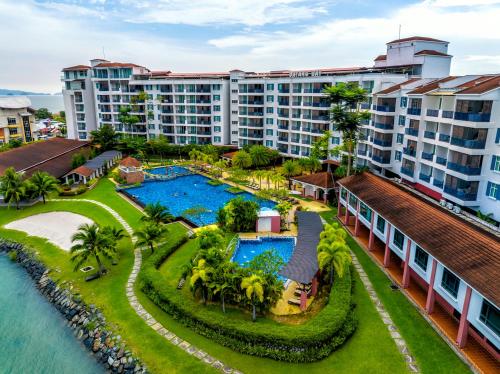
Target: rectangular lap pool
[188,191]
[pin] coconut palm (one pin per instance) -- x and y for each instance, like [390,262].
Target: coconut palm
[91,241]
[290,169]
[157,213]
[200,277]
[259,174]
[242,160]
[278,179]
[42,184]
[260,155]
[114,233]
[150,235]
[219,167]
[13,187]
[254,290]
[334,257]
[223,282]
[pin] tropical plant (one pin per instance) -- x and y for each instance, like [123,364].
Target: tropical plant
[200,278]
[310,164]
[238,215]
[242,160]
[116,234]
[266,263]
[210,238]
[333,252]
[42,184]
[486,217]
[157,213]
[13,187]
[91,241]
[77,160]
[150,235]
[346,115]
[260,155]
[319,149]
[259,174]
[223,281]
[278,180]
[254,291]
[219,168]
[284,208]
[105,137]
[290,168]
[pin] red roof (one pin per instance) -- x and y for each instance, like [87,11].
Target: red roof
[417,38]
[169,74]
[77,67]
[130,162]
[323,179]
[117,65]
[380,58]
[396,87]
[431,86]
[482,86]
[83,171]
[430,52]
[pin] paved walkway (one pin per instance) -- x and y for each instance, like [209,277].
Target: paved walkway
[142,312]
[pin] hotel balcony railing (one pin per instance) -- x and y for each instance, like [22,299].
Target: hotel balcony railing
[433,112]
[306,129]
[365,106]
[447,114]
[464,169]
[283,127]
[255,90]
[282,138]
[429,134]
[296,115]
[427,156]
[284,90]
[295,152]
[167,111]
[297,90]
[407,171]
[424,177]
[440,160]
[305,153]
[255,136]
[438,183]
[473,117]
[284,114]
[306,141]
[320,118]
[382,143]
[255,102]
[362,152]
[409,151]
[283,149]
[472,144]
[317,131]
[414,111]
[383,126]
[259,114]
[295,140]
[295,128]
[313,90]
[460,194]
[381,160]
[411,131]
[383,108]
[296,103]
[252,124]
[444,138]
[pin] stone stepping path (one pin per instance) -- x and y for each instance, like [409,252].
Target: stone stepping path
[143,313]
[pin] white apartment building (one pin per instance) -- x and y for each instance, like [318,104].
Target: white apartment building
[16,119]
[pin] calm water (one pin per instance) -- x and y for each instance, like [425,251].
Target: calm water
[54,103]
[33,336]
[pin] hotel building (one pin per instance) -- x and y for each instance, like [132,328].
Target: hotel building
[16,119]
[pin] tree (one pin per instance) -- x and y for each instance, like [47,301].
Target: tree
[319,149]
[254,290]
[157,213]
[284,208]
[277,179]
[310,164]
[266,263]
[242,160]
[77,160]
[259,155]
[290,169]
[259,174]
[91,241]
[334,256]
[43,113]
[223,281]
[150,235]
[200,278]
[238,215]
[219,168]
[210,238]
[105,137]
[42,184]
[114,233]
[346,115]
[12,187]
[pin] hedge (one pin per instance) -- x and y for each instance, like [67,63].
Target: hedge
[311,341]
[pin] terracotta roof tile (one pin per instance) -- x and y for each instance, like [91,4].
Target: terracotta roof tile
[77,67]
[468,251]
[83,171]
[380,58]
[431,86]
[117,65]
[482,86]
[130,162]
[323,179]
[417,38]
[431,52]
[396,87]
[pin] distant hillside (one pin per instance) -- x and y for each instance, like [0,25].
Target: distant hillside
[5,92]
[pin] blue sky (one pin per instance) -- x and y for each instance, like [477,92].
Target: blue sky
[40,37]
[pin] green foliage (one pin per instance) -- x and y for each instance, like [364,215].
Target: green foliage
[333,252]
[284,208]
[242,160]
[42,113]
[13,256]
[238,215]
[234,190]
[319,149]
[260,155]
[195,212]
[42,184]
[214,182]
[150,235]
[13,187]
[486,217]
[291,168]
[268,263]
[210,238]
[77,160]
[105,137]
[157,213]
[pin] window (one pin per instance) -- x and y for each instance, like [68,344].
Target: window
[270,110]
[400,138]
[269,121]
[216,118]
[365,212]
[380,224]
[270,98]
[269,143]
[269,132]
[493,191]
[216,87]
[234,91]
[490,316]
[401,120]
[234,80]
[234,112]
[335,140]
[450,283]
[353,201]
[217,139]
[497,137]
[216,108]
[343,193]
[234,101]
[495,163]
[217,128]
[234,132]
[234,122]
[216,97]
[11,121]
[270,87]
[398,239]
[82,135]
[403,102]
[421,258]
[397,155]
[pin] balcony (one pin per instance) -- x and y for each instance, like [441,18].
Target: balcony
[383,126]
[295,152]
[473,117]
[365,106]
[284,90]
[283,138]
[255,90]
[433,112]
[409,151]
[414,111]
[306,141]
[444,138]
[429,134]
[362,152]
[447,114]
[411,131]
[283,127]
[424,177]
[464,169]
[381,160]
[460,194]
[295,140]
[382,143]
[407,171]
[427,156]
[466,143]
[255,102]
[383,108]
[320,118]
[305,153]
[437,183]
[441,160]
[313,90]
[283,102]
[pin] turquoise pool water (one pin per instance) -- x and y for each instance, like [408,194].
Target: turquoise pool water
[189,191]
[34,337]
[247,249]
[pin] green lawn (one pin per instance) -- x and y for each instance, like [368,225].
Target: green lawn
[432,353]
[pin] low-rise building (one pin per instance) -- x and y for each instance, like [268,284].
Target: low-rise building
[16,119]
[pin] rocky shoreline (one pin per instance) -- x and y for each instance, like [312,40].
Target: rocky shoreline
[87,322]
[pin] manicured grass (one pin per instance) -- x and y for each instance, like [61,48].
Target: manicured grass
[432,353]
[108,292]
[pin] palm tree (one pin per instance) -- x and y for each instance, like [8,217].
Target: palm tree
[219,167]
[290,169]
[157,213]
[254,287]
[149,235]
[114,233]
[259,174]
[91,240]
[277,179]
[334,256]
[242,160]
[260,155]
[42,184]
[200,277]
[224,281]
[12,186]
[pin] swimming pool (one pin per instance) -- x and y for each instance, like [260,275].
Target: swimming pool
[162,170]
[248,249]
[189,191]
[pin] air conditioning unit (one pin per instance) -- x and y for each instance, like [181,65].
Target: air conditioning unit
[449,205]
[457,209]
[442,202]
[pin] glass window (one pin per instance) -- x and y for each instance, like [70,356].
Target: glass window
[401,120]
[421,258]
[450,283]
[269,131]
[399,138]
[380,224]
[82,135]
[217,128]
[217,139]
[270,87]
[353,201]
[490,316]
[270,110]
[269,121]
[270,98]
[11,121]
[397,155]
[403,102]
[343,193]
[495,163]
[216,108]
[493,190]
[269,143]
[216,97]
[398,239]
[216,87]
[365,211]
[217,118]
[335,140]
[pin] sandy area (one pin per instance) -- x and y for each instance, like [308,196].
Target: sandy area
[56,227]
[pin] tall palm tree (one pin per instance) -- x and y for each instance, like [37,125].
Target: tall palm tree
[200,277]
[157,213]
[278,179]
[259,174]
[254,289]
[91,241]
[42,184]
[223,282]
[13,187]
[114,233]
[334,256]
[242,160]
[260,155]
[150,235]
[290,168]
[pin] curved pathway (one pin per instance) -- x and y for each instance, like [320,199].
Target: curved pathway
[139,309]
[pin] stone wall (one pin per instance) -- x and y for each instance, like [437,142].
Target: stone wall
[87,321]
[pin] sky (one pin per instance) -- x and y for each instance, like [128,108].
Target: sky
[40,37]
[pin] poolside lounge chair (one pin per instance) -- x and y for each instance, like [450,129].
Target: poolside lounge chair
[294,301]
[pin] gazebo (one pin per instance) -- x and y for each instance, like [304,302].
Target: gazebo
[131,170]
[317,185]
